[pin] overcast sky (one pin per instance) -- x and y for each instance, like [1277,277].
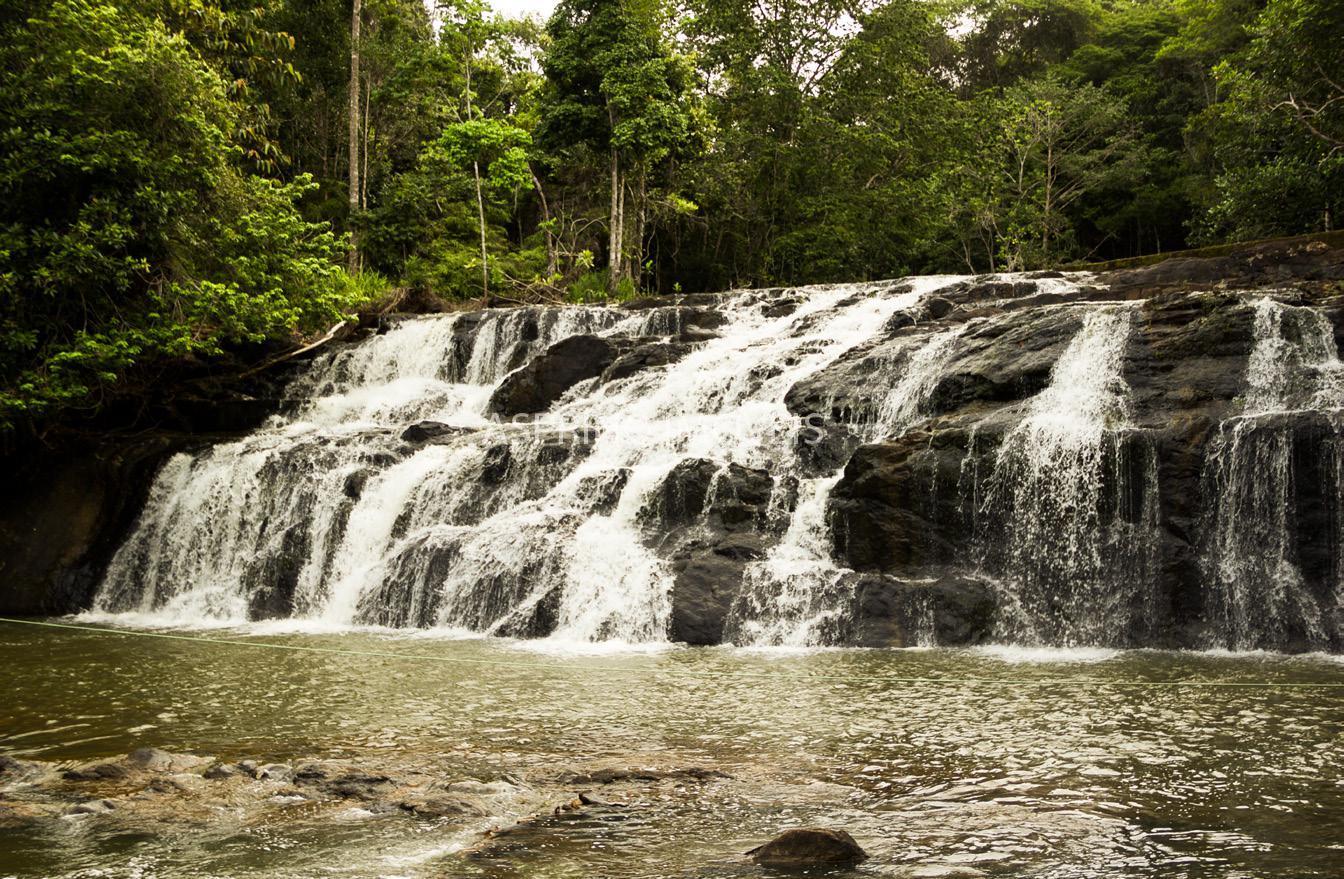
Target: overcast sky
[514,8]
[523,7]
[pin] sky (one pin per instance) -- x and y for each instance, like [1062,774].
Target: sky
[514,8]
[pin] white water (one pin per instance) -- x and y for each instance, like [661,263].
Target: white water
[1258,596]
[324,515]
[327,518]
[1069,561]
[798,594]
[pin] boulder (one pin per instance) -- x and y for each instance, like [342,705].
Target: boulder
[741,498]
[681,498]
[897,507]
[535,386]
[949,610]
[707,578]
[644,357]
[805,847]
[424,431]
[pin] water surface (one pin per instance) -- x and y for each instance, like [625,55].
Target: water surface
[1019,778]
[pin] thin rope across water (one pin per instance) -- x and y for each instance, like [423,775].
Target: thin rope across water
[688,673]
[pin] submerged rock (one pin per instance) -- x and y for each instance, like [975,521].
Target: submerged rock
[809,847]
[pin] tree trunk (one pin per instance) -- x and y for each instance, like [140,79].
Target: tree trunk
[614,231]
[356,13]
[641,212]
[485,256]
[552,259]
[364,146]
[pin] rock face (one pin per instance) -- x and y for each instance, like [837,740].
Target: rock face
[67,506]
[806,847]
[62,517]
[534,387]
[1134,458]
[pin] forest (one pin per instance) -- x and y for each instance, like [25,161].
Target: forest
[182,178]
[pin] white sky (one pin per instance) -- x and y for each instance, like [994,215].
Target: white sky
[516,8]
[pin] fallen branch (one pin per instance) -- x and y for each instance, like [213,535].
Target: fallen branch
[331,334]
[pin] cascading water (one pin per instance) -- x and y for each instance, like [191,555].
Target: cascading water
[330,514]
[797,595]
[673,483]
[1066,519]
[1280,459]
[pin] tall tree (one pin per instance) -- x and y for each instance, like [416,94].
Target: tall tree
[616,86]
[353,152]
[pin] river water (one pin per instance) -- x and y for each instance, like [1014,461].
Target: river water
[941,776]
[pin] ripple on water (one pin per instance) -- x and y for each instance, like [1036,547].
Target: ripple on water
[930,771]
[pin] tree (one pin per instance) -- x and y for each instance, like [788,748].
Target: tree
[615,86]
[356,14]
[128,232]
[1277,137]
[500,148]
[1044,145]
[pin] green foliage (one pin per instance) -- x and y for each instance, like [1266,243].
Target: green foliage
[174,172]
[1275,146]
[1039,149]
[128,232]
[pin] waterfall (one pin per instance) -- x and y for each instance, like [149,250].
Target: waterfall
[329,513]
[1068,512]
[797,595]
[1263,470]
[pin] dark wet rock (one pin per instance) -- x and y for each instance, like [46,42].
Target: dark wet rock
[352,785]
[603,490]
[782,308]
[221,771]
[63,515]
[707,578]
[496,463]
[897,507]
[740,498]
[805,847]
[695,335]
[277,576]
[532,619]
[439,805]
[588,799]
[936,307]
[353,487]
[543,380]
[681,498]
[823,446]
[948,610]
[617,774]
[101,772]
[1256,265]
[1004,360]
[423,431]
[645,357]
